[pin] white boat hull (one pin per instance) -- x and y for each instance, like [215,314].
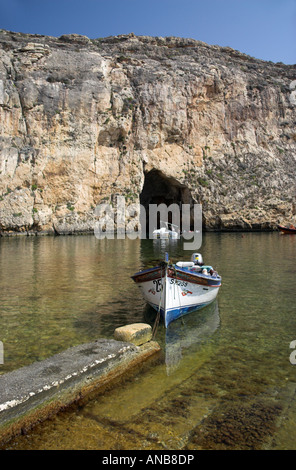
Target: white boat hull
[176,292]
[166,234]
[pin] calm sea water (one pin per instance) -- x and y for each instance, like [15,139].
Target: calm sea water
[224,379]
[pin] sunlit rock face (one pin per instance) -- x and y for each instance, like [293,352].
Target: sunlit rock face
[84,121]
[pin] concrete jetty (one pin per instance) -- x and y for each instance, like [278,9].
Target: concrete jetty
[34,393]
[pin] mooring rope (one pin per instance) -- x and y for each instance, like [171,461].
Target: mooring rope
[155,326]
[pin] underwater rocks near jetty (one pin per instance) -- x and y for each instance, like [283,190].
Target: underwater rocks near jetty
[149,118]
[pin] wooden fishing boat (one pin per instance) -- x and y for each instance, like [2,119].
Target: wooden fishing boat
[174,290]
[291,229]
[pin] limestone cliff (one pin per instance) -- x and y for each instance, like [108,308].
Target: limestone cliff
[85,120]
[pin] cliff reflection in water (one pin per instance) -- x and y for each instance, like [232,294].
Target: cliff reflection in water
[56,292]
[223,379]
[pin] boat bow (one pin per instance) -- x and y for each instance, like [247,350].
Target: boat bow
[177,289]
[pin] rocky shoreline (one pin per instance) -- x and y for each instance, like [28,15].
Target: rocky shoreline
[240,227]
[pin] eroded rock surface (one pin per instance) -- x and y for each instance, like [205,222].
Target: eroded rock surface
[84,120]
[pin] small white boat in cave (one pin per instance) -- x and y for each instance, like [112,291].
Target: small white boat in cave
[170,231]
[174,290]
[166,231]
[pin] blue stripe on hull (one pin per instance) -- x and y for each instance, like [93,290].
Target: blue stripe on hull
[175,313]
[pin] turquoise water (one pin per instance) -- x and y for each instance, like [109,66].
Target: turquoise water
[224,379]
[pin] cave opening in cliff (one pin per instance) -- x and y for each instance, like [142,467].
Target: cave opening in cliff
[162,189]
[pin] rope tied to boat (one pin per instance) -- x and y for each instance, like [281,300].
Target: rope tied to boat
[176,284]
[156,323]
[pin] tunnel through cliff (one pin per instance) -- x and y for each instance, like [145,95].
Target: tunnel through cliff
[161,189]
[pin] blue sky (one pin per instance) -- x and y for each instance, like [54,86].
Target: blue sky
[265,29]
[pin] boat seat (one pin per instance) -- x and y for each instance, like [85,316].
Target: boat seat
[208,268]
[185,264]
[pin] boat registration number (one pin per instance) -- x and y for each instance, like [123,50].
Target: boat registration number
[179,283]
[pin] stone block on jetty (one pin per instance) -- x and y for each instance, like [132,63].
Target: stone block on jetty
[136,333]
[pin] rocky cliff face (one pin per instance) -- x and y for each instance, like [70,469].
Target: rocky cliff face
[85,120]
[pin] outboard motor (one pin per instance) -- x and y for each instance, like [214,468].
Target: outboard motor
[197,259]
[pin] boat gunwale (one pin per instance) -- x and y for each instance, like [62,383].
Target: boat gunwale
[145,271]
[193,277]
